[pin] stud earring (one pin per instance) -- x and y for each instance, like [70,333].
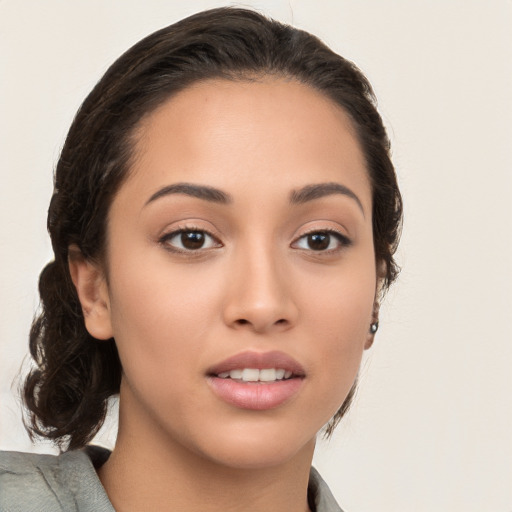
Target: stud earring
[374,327]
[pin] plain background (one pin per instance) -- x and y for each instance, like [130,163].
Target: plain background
[431,428]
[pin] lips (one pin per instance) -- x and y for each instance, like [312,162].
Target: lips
[259,361]
[255,375]
[257,381]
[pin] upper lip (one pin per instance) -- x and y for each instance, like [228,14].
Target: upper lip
[259,361]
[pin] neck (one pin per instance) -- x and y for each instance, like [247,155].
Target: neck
[154,472]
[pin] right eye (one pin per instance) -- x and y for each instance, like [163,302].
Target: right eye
[322,241]
[189,240]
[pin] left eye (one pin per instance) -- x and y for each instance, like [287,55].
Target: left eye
[321,241]
[190,240]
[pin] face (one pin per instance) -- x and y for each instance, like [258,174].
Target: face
[241,271]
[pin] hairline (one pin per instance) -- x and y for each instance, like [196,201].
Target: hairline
[135,136]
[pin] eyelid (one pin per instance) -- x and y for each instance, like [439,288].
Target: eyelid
[343,240]
[174,232]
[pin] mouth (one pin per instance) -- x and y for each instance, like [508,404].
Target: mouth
[258,366]
[256,375]
[257,381]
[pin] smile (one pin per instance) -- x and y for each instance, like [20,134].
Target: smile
[257,381]
[255,375]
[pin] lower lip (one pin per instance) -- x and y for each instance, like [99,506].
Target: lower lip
[257,396]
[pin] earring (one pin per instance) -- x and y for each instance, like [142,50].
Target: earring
[374,327]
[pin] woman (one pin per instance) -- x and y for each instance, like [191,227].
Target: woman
[224,220]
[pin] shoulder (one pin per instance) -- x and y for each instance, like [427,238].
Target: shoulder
[320,495]
[66,482]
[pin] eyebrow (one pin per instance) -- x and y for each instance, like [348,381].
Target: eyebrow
[204,192]
[317,191]
[215,195]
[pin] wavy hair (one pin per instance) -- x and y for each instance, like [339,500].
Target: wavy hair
[66,393]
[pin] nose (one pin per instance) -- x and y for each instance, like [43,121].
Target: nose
[260,298]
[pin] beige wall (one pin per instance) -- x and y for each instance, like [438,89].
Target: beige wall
[431,428]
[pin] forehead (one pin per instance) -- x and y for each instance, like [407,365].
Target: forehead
[219,132]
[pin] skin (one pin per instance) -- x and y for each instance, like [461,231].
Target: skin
[255,285]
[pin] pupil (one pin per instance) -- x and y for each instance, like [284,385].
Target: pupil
[192,239]
[318,241]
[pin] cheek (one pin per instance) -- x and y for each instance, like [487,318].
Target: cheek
[338,318]
[160,316]
[340,303]
[346,315]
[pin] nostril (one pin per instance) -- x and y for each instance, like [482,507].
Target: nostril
[243,321]
[261,324]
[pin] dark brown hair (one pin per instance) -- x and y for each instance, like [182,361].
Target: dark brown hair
[66,393]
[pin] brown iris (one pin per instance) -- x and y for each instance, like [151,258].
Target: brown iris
[319,241]
[192,239]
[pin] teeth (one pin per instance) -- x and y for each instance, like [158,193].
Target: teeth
[255,375]
[250,375]
[267,375]
[235,374]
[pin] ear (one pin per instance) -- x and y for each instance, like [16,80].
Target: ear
[374,325]
[92,290]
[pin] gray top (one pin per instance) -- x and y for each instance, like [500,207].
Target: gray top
[69,482]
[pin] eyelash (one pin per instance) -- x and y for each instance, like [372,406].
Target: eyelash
[165,240]
[342,240]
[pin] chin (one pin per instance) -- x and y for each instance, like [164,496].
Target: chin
[258,448]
